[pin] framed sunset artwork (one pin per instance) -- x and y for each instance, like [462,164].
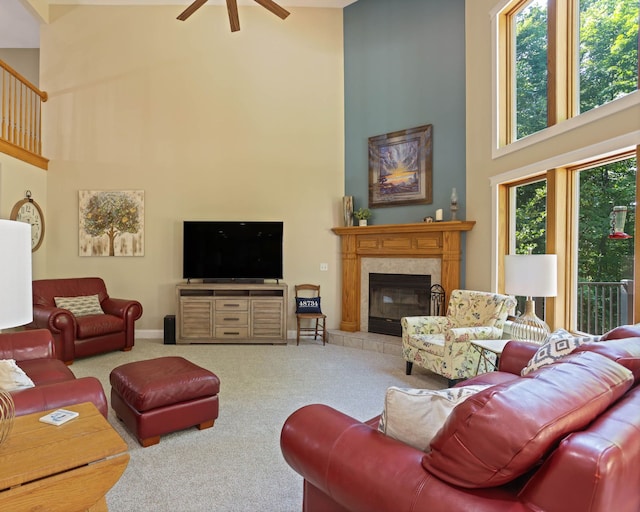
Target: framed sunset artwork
[401,167]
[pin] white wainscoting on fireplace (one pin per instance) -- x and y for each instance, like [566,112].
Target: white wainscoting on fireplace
[410,266]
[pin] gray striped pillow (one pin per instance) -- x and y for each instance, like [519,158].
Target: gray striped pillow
[80,306]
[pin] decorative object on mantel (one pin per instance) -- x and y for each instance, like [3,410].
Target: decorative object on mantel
[347,210]
[232,9]
[439,215]
[530,275]
[618,218]
[16,304]
[401,167]
[428,219]
[363,215]
[454,204]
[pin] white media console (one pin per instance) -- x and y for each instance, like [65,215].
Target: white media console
[231,313]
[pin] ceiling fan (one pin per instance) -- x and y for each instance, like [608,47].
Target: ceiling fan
[232,8]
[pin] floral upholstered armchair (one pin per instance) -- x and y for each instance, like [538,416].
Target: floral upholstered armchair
[442,345]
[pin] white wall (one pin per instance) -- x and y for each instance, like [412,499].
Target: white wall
[210,124]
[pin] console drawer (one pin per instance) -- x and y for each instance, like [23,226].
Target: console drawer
[232,318]
[232,332]
[232,304]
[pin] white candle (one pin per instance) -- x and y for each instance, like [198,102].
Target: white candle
[438,214]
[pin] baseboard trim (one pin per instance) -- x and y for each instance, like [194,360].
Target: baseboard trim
[155,334]
[150,334]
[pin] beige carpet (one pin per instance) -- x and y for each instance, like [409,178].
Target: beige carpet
[237,465]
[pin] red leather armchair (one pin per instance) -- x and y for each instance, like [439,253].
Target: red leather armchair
[55,384]
[349,466]
[87,335]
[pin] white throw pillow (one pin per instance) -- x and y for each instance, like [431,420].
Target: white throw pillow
[80,306]
[558,344]
[12,377]
[414,416]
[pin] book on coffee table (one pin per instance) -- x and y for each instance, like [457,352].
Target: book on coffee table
[59,416]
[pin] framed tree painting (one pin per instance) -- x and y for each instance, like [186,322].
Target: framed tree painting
[111,222]
[401,167]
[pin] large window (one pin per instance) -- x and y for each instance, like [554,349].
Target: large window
[608,66]
[529,204]
[564,64]
[594,210]
[530,27]
[605,245]
[528,227]
[561,58]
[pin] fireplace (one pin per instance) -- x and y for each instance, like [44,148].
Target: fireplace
[429,241]
[392,296]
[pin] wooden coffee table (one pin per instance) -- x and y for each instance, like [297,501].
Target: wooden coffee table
[66,468]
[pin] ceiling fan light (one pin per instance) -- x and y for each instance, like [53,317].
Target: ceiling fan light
[232,10]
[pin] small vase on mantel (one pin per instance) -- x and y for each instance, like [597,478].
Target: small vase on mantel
[347,210]
[362,222]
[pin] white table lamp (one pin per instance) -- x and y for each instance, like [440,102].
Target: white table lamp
[16,303]
[531,275]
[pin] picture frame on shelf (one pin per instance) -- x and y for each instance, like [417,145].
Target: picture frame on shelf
[401,167]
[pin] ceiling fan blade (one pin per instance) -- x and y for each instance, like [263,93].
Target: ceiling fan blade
[234,19]
[270,5]
[191,9]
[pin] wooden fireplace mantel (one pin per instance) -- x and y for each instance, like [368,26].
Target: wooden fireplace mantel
[420,240]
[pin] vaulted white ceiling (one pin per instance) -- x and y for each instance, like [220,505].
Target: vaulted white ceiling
[20,29]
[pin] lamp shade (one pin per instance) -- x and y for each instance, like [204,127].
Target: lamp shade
[531,275]
[16,306]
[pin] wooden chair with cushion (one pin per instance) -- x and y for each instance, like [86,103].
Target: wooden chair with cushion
[309,316]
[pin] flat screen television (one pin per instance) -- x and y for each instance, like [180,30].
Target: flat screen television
[232,250]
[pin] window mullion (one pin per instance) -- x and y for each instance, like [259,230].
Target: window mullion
[560,207]
[562,59]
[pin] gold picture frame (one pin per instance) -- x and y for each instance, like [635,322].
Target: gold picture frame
[401,167]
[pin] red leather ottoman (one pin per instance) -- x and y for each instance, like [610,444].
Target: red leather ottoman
[162,395]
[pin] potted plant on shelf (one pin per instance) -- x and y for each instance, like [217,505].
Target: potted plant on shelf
[362,214]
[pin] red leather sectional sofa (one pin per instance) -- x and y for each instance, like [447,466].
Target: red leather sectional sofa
[565,438]
[55,384]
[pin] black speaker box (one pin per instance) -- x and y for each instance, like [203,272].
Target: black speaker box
[170,330]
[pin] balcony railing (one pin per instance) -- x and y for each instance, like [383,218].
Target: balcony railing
[603,306]
[21,117]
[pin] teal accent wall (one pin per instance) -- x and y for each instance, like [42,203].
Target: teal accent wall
[405,67]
